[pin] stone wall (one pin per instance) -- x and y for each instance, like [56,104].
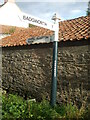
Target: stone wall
[27,70]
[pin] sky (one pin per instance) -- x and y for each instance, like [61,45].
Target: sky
[45,9]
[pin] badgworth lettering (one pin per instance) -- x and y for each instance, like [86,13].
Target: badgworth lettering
[34,20]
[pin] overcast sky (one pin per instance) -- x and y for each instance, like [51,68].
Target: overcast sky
[45,10]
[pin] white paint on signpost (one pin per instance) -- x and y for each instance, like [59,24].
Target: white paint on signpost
[37,21]
[56,19]
[55,68]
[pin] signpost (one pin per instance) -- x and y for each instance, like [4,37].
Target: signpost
[54,27]
[54,66]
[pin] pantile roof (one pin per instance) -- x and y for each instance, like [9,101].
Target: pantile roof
[75,29]
[9,29]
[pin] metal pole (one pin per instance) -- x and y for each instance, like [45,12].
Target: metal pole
[54,74]
[54,65]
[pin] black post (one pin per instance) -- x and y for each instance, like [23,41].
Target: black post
[54,74]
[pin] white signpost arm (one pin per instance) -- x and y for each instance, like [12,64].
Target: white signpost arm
[37,21]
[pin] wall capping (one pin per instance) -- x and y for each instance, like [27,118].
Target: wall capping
[50,45]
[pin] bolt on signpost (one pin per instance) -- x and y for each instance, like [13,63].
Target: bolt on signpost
[54,27]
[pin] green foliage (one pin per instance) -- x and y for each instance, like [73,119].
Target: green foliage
[12,30]
[43,111]
[30,25]
[71,111]
[15,107]
[88,10]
